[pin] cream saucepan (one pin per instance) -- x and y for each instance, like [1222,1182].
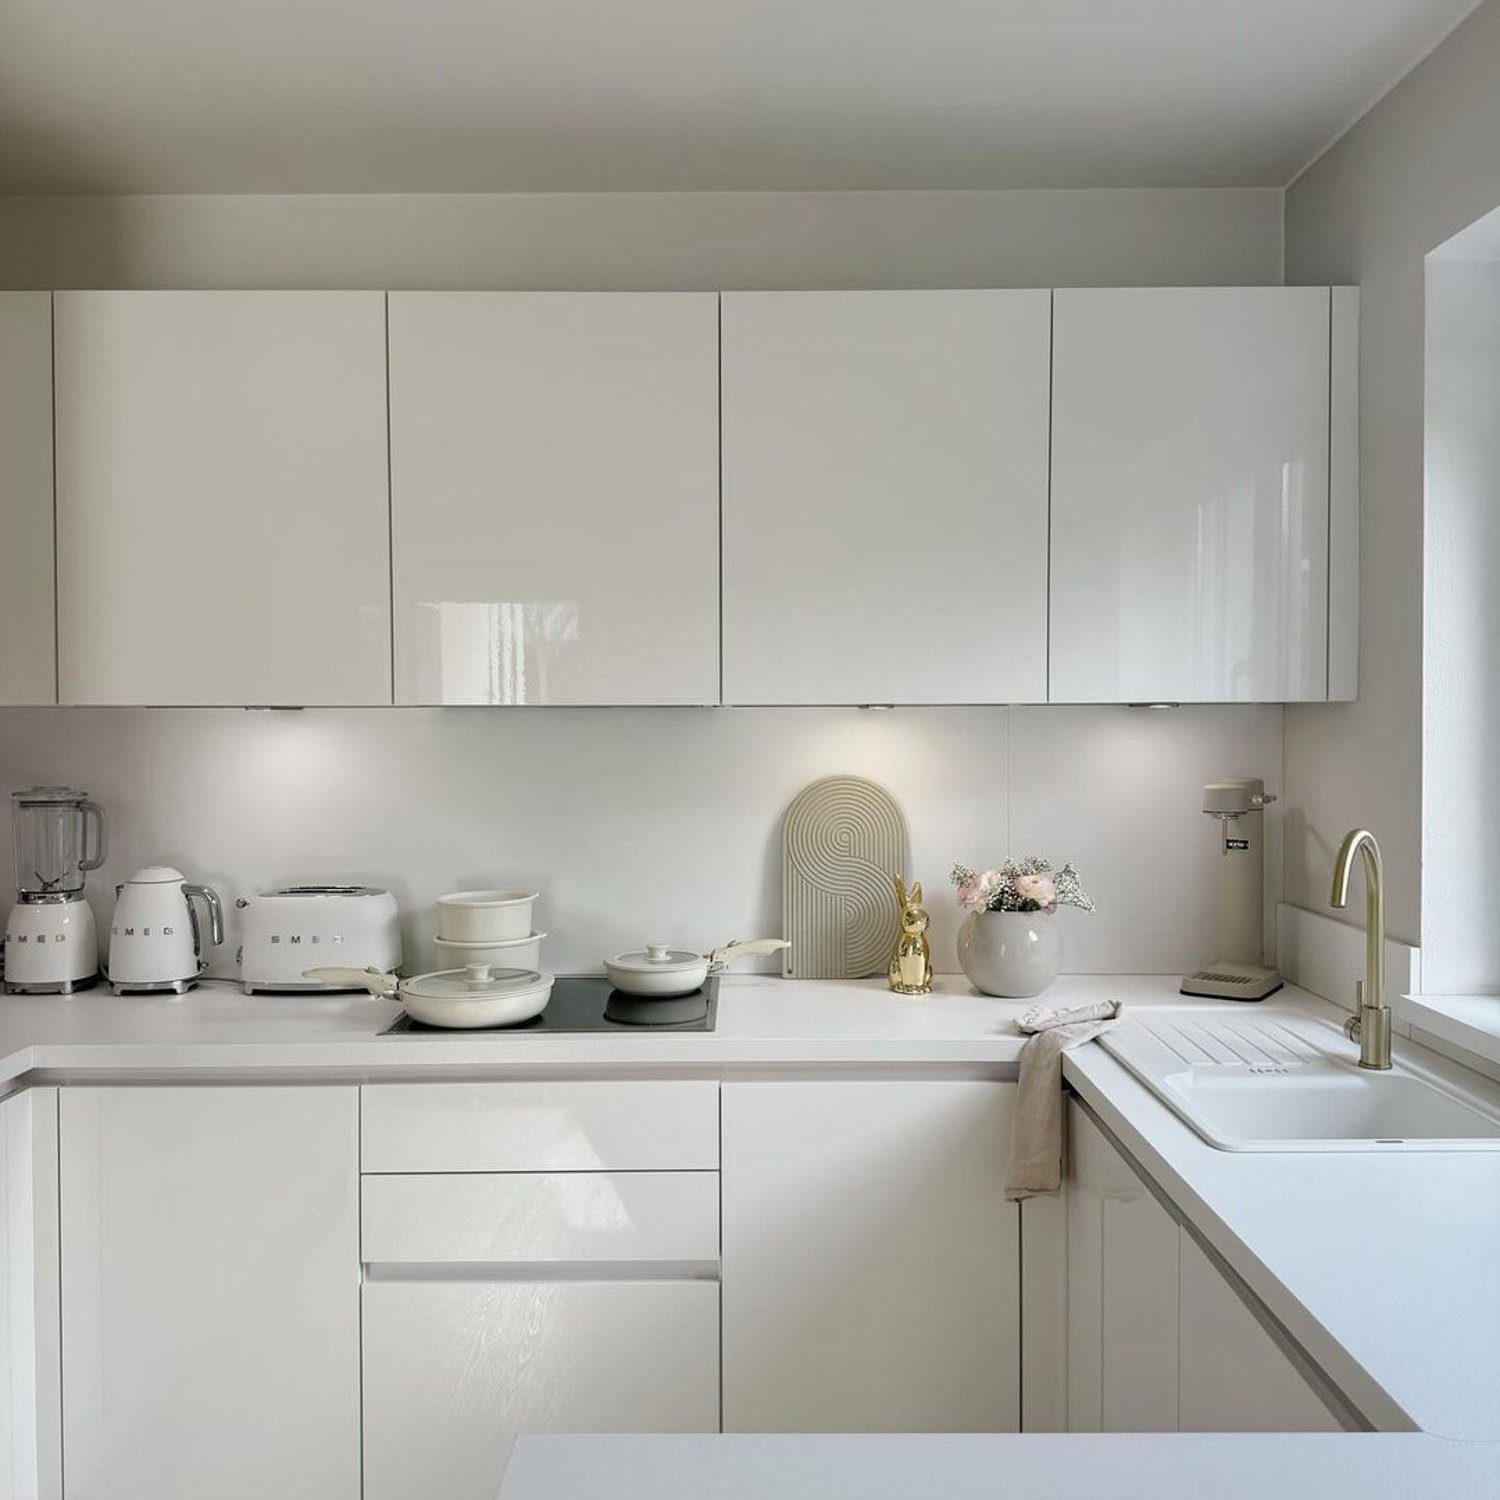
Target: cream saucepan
[658,970]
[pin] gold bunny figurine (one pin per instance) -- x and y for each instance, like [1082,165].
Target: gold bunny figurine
[910,971]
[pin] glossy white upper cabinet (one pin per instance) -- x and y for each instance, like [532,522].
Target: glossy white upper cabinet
[885,496]
[210,1293]
[222,498]
[1190,494]
[28,640]
[555,518]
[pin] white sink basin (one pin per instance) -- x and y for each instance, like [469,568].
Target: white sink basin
[1285,1084]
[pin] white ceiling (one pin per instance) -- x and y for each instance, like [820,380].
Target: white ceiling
[586,95]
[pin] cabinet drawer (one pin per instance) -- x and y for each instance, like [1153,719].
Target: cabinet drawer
[540,1127]
[541,1216]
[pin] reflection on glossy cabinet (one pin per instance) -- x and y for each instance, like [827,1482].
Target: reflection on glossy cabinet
[871,1263]
[885,496]
[30,1412]
[222,498]
[554,480]
[1190,494]
[28,639]
[210,1293]
[454,1370]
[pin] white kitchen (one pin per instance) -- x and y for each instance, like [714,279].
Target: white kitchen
[749,749]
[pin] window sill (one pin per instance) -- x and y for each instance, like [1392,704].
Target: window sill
[1468,1022]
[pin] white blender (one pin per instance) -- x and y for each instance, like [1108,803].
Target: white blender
[51,947]
[1238,973]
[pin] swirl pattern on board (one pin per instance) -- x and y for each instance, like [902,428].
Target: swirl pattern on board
[843,838]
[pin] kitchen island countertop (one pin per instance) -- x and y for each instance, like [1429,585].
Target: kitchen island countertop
[1001,1466]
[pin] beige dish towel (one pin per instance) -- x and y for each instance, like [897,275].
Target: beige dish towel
[1036,1136]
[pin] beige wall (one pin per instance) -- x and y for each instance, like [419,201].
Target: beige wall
[647,241]
[1422,165]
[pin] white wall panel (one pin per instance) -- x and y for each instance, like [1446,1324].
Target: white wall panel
[647,823]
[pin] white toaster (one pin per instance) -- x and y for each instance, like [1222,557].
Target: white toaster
[287,931]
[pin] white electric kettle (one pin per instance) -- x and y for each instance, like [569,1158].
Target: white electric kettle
[154,942]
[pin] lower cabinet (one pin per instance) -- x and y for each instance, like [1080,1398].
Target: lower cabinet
[242,1314]
[538,1257]
[1122,1292]
[1232,1375]
[871,1264]
[210,1292]
[1158,1339]
[455,1370]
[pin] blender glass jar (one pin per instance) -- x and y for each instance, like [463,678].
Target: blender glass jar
[59,836]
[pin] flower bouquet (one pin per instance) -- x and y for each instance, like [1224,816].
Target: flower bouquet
[1009,944]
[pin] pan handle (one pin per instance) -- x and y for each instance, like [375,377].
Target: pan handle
[383,986]
[723,957]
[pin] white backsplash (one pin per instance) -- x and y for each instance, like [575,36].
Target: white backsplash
[641,824]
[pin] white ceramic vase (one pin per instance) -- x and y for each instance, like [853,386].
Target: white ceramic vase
[1015,954]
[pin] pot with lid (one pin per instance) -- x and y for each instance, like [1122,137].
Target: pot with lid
[658,970]
[461,999]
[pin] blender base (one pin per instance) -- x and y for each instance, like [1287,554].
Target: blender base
[57,987]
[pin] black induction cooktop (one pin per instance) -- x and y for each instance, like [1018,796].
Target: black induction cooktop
[585,1003]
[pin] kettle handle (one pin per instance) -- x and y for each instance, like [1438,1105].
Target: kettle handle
[210,899]
[93,813]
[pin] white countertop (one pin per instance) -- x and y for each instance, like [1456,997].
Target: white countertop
[983,1466]
[763,1021]
[1383,1267]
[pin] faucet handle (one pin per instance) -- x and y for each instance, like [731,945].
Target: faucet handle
[1352,1026]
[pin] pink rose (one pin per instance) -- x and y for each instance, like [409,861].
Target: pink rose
[1038,888]
[971,892]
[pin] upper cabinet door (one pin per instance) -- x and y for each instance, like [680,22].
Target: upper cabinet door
[1190,516]
[28,641]
[885,496]
[555,519]
[222,498]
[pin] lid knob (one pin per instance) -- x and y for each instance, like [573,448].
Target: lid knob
[477,975]
[658,953]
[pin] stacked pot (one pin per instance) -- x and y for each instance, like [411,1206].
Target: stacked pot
[488,927]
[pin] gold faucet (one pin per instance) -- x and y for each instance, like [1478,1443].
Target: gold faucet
[1370,1025]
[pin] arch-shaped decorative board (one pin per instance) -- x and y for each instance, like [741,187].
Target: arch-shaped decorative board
[842,839]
